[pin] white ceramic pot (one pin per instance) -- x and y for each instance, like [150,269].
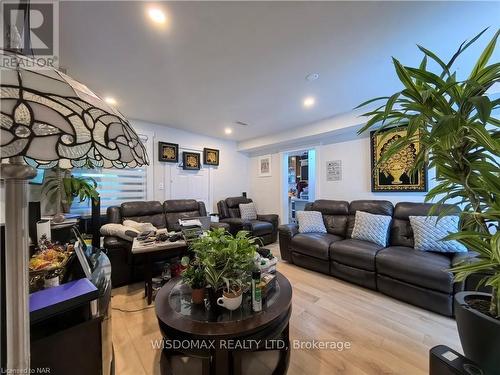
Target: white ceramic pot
[229,301]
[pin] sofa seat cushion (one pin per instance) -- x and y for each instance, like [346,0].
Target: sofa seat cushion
[355,253]
[314,244]
[261,228]
[424,269]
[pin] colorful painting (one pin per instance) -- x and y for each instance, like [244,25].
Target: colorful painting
[395,174]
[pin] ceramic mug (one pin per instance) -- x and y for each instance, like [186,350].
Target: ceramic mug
[230,303]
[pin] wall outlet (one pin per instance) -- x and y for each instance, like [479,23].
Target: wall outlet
[161,186]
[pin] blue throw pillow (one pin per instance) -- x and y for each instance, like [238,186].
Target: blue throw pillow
[428,233]
[311,222]
[371,227]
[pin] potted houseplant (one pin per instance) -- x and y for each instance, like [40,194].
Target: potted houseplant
[194,276]
[224,257]
[231,294]
[453,117]
[61,189]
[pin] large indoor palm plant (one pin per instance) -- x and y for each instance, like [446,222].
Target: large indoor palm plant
[453,117]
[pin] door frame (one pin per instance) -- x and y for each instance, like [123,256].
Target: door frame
[284,209]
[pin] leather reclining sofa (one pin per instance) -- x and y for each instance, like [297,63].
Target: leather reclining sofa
[264,227]
[398,270]
[126,268]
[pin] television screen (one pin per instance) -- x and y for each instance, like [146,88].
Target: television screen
[38,179]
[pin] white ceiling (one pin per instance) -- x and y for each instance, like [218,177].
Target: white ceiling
[220,62]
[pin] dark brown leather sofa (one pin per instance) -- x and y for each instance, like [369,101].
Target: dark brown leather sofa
[265,227]
[124,267]
[398,270]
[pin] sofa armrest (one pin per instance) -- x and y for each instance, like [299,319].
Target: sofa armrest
[472,283]
[236,224]
[286,233]
[274,220]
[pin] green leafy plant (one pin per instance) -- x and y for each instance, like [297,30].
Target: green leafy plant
[62,190]
[194,276]
[225,257]
[453,118]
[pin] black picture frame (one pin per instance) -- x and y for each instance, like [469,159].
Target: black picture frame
[383,178]
[211,156]
[191,161]
[168,152]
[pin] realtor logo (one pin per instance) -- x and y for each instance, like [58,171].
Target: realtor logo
[31,28]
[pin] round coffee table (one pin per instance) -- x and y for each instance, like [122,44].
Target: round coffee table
[218,336]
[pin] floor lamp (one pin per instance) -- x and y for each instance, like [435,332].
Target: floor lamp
[47,120]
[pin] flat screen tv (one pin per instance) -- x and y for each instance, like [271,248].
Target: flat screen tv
[38,179]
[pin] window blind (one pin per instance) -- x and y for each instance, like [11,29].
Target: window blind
[115,186]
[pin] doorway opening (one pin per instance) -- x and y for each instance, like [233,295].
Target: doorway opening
[300,183]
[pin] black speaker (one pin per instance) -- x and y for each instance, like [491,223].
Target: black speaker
[244,194]
[446,361]
[95,223]
[34,213]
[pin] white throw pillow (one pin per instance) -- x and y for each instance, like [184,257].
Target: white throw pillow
[310,222]
[141,227]
[428,233]
[371,227]
[248,211]
[119,230]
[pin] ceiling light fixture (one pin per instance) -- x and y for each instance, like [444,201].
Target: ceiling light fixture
[110,100]
[157,15]
[312,77]
[309,102]
[228,131]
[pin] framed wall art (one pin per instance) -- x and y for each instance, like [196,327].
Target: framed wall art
[265,166]
[191,161]
[168,152]
[395,175]
[211,156]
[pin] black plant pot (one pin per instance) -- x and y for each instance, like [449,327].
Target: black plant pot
[479,333]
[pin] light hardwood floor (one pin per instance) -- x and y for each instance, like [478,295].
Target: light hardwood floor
[387,336]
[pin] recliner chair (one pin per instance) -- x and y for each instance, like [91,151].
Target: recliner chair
[265,227]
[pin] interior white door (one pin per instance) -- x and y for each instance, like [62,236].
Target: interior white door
[190,185]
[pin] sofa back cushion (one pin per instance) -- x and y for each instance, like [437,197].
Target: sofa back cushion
[233,205]
[176,209]
[375,207]
[144,212]
[334,214]
[401,231]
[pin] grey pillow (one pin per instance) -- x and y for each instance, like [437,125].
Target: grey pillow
[310,222]
[248,211]
[119,230]
[428,233]
[371,227]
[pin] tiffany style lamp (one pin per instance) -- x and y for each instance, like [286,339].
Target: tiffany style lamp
[47,119]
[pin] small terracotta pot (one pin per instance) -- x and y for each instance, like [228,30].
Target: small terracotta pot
[198,295]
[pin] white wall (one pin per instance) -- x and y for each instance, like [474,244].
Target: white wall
[230,178]
[356,174]
[265,191]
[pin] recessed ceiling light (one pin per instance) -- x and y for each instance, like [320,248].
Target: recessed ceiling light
[110,100]
[228,130]
[309,102]
[312,77]
[157,15]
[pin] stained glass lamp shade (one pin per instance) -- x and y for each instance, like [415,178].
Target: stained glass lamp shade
[51,119]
